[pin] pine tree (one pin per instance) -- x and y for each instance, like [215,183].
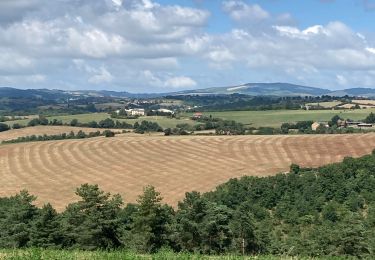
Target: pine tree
[92,222]
[45,229]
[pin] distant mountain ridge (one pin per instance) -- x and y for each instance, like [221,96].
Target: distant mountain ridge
[253,89]
[54,94]
[263,89]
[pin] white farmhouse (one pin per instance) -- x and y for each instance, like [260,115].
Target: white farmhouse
[136,112]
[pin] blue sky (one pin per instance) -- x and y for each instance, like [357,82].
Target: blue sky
[166,45]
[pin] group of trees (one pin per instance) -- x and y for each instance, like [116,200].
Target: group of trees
[221,126]
[142,127]
[147,126]
[79,135]
[370,119]
[301,126]
[106,123]
[249,103]
[4,127]
[307,212]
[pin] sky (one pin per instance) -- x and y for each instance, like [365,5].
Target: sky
[169,45]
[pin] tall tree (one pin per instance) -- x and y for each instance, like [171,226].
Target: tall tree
[45,229]
[152,221]
[16,214]
[92,222]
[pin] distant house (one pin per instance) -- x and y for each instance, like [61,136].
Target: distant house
[351,123]
[163,110]
[358,125]
[197,115]
[364,125]
[315,126]
[136,112]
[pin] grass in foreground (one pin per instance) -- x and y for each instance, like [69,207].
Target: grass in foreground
[33,254]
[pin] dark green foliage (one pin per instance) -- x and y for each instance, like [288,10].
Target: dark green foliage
[370,119]
[45,230]
[17,126]
[92,222]
[301,126]
[80,135]
[147,126]
[222,127]
[16,215]
[247,102]
[108,133]
[175,131]
[334,120]
[151,220]
[106,123]
[4,127]
[74,122]
[41,120]
[91,108]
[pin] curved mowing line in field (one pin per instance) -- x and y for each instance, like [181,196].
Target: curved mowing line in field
[53,169]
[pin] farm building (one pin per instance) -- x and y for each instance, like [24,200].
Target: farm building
[197,115]
[163,110]
[315,125]
[136,112]
[364,125]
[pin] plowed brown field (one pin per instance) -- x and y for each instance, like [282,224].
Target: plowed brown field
[174,165]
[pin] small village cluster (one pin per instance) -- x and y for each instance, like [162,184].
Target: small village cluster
[343,124]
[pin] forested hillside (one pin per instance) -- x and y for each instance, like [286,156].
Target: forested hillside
[307,212]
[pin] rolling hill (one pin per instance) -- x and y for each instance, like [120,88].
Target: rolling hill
[252,89]
[263,89]
[125,164]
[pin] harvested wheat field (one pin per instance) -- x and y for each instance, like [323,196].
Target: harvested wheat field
[45,130]
[174,165]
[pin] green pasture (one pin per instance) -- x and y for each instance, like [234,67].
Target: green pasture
[274,118]
[329,104]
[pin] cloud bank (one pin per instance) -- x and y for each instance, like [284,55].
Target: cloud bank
[142,45]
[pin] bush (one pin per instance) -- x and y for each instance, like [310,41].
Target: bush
[147,126]
[4,127]
[74,122]
[17,126]
[108,133]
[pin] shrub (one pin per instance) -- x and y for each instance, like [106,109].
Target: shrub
[4,127]
[108,133]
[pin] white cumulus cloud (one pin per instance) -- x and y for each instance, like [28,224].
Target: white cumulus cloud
[180,82]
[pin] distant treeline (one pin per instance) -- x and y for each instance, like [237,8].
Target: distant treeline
[80,135]
[241,102]
[230,127]
[106,123]
[221,127]
[328,211]
[142,127]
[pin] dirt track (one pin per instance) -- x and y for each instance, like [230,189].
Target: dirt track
[52,170]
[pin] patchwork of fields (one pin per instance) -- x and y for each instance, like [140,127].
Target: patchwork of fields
[274,118]
[174,165]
